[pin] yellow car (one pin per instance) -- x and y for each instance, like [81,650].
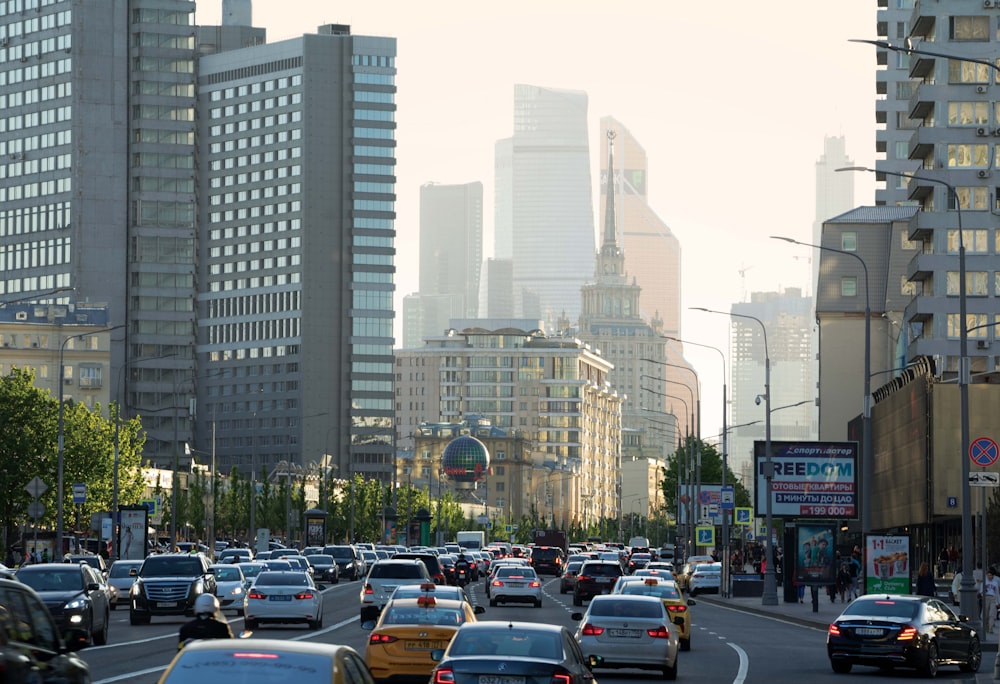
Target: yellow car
[673,599]
[409,629]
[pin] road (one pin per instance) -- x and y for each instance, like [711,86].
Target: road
[727,645]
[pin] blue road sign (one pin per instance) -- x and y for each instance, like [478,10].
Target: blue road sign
[728,498]
[983,451]
[79,493]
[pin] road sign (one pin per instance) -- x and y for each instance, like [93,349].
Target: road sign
[79,493]
[984,478]
[728,498]
[507,529]
[705,536]
[983,451]
[705,497]
[744,515]
[36,487]
[514,527]
[36,509]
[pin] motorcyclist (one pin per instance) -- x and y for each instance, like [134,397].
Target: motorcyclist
[462,566]
[206,623]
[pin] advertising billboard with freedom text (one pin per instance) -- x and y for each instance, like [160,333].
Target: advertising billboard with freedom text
[810,480]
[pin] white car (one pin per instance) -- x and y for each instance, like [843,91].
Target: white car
[229,586]
[705,578]
[283,597]
[121,576]
[625,631]
[513,584]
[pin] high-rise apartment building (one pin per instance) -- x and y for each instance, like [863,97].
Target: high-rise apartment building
[236,247]
[545,190]
[895,87]
[295,312]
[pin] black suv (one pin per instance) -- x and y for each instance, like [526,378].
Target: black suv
[75,594]
[596,577]
[350,565]
[31,648]
[548,559]
[431,562]
[168,584]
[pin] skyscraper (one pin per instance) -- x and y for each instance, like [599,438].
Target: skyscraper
[551,215]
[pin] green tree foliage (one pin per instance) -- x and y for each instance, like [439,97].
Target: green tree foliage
[684,460]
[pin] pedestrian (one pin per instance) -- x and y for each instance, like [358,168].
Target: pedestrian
[925,580]
[991,588]
[45,556]
[843,582]
[943,559]
[854,568]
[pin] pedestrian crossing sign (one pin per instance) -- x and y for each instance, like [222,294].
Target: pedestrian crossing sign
[705,536]
[744,515]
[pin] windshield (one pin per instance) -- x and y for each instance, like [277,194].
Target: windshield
[228,574]
[53,580]
[170,566]
[119,570]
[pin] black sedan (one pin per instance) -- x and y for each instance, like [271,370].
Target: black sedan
[76,595]
[918,632]
[487,652]
[325,568]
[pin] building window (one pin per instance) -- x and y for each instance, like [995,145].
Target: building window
[849,286]
[907,287]
[971,321]
[976,28]
[975,241]
[967,114]
[967,72]
[906,243]
[849,241]
[968,156]
[976,283]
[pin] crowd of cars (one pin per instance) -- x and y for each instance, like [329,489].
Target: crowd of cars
[413,601]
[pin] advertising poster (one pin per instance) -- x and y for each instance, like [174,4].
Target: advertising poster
[315,531]
[815,551]
[132,533]
[810,480]
[887,565]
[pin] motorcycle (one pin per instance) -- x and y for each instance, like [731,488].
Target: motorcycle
[461,576]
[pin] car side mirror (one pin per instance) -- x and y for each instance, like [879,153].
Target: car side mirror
[93,586]
[368,625]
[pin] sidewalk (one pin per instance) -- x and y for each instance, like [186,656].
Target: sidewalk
[800,613]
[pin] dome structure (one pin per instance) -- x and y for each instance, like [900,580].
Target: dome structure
[466,460]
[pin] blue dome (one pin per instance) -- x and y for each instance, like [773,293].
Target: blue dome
[466,459]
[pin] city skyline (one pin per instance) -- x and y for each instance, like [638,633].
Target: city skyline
[666,72]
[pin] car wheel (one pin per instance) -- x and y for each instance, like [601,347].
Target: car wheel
[974,659]
[336,580]
[686,644]
[493,603]
[671,672]
[251,624]
[840,666]
[114,606]
[562,590]
[135,618]
[101,637]
[538,603]
[239,611]
[930,666]
[693,592]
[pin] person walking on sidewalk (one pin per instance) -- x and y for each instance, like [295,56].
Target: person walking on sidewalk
[991,587]
[925,580]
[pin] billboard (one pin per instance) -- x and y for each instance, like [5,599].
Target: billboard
[132,533]
[814,554]
[887,564]
[811,479]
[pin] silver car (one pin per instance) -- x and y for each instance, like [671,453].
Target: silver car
[121,576]
[515,584]
[230,586]
[620,631]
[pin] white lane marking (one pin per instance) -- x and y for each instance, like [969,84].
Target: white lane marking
[771,617]
[741,674]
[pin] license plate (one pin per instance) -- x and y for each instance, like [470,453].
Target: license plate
[625,633]
[497,679]
[166,604]
[603,580]
[867,631]
[516,585]
[423,645]
[280,598]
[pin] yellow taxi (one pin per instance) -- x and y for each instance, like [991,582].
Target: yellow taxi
[673,599]
[408,630]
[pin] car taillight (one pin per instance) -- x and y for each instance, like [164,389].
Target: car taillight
[676,609]
[561,678]
[497,583]
[909,632]
[444,675]
[439,578]
[834,630]
[592,630]
[305,595]
[535,584]
[583,578]
[381,639]
[255,594]
[558,561]
[368,590]
[660,632]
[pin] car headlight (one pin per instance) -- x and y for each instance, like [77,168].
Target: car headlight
[236,591]
[76,604]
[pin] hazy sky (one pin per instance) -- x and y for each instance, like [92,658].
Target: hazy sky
[731,101]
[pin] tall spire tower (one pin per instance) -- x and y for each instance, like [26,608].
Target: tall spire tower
[611,258]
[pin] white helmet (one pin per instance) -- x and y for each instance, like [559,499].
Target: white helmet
[206,604]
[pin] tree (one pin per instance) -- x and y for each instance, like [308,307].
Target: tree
[711,473]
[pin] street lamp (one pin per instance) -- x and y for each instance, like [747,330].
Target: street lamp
[61,439]
[725,461]
[967,592]
[867,453]
[770,596]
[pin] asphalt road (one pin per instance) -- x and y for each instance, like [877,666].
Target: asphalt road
[727,645]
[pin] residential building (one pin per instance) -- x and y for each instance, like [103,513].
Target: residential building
[295,312]
[553,391]
[894,88]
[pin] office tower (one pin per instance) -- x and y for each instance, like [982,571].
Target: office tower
[551,214]
[834,192]
[496,292]
[451,254]
[295,311]
[787,318]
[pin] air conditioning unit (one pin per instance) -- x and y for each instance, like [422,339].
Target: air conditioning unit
[982,344]
[987,4]
[982,131]
[982,89]
[21,316]
[983,173]
[67,381]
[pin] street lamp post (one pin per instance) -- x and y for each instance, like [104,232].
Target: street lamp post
[60,448]
[867,453]
[967,593]
[725,462]
[770,596]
